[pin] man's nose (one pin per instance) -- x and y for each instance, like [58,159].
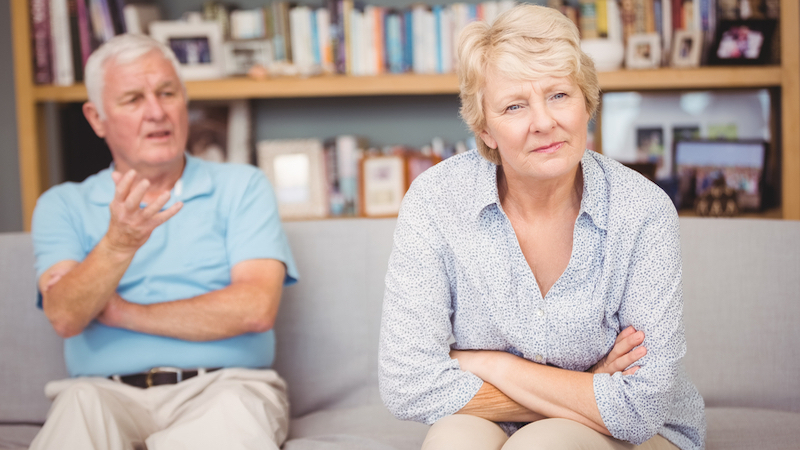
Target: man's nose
[154,110]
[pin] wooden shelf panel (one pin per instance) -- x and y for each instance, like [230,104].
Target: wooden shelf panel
[410,84]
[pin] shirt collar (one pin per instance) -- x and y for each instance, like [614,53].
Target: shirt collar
[595,190]
[194,182]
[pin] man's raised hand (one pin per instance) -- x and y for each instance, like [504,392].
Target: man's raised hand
[130,225]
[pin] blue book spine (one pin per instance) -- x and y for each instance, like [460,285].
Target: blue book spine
[437,19]
[315,38]
[394,44]
[408,36]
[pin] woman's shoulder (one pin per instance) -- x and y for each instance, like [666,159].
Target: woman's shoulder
[629,195]
[461,173]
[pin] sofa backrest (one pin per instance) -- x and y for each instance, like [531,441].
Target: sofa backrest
[31,353]
[741,310]
[741,295]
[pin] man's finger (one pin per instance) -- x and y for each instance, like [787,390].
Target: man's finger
[134,199]
[124,186]
[167,214]
[153,208]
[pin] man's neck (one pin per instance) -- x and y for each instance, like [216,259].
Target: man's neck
[161,178]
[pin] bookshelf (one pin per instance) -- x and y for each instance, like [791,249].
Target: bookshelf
[783,79]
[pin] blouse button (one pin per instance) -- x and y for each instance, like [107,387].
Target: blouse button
[540,313]
[538,358]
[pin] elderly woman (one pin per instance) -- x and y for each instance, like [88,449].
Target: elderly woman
[534,288]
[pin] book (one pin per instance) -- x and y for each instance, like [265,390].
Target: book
[42,44]
[138,17]
[61,43]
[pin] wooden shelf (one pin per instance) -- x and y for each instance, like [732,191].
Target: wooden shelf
[410,84]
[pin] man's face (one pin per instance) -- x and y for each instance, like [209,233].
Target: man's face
[146,124]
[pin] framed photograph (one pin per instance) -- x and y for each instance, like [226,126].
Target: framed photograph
[742,42]
[416,163]
[383,184]
[296,169]
[687,48]
[643,51]
[650,150]
[220,131]
[197,45]
[701,164]
[240,56]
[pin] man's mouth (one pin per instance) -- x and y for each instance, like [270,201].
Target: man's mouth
[159,134]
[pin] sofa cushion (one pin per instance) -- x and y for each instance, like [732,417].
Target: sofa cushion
[17,437]
[361,428]
[751,428]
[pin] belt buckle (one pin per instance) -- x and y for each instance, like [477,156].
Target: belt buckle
[149,378]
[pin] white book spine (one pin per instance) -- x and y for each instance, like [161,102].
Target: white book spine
[63,71]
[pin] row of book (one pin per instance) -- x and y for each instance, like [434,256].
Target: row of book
[65,32]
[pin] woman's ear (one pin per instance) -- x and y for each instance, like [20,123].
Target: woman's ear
[487,139]
[93,117]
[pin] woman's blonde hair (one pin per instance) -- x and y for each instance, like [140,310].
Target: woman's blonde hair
[527,42]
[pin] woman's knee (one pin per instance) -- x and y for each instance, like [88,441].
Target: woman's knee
[561,434]
[464,432]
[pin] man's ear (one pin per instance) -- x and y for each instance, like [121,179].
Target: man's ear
[488,139]
[93,117]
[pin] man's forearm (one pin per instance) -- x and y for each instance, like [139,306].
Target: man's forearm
[248,305]
[491,404]
[83,291]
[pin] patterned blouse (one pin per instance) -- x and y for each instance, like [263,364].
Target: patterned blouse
[457,276]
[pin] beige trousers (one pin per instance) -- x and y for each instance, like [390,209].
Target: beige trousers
[465,432]
[225,409]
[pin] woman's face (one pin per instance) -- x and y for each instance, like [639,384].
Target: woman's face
[539,127]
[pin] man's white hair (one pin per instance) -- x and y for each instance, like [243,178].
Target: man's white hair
[122,49]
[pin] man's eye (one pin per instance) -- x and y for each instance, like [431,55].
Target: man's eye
[167,93]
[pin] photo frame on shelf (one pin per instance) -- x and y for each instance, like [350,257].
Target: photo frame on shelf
[416,163]
[643,51]
[241,56]
[742,42]
[383,184]
[687,48]
[220,131]
[197,45]
[701,163]
[296,169]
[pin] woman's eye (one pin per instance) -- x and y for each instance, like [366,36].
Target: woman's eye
[512,108]
[559,96]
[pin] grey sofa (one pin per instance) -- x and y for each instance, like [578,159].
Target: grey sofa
[742,316]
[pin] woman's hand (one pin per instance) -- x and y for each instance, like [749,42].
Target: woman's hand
[623,354]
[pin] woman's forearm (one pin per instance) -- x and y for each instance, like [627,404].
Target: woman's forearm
[544,390]
[491,404]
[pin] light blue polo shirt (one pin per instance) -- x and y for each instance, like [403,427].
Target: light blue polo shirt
[229,215]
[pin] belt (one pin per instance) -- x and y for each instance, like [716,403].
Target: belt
[159,375]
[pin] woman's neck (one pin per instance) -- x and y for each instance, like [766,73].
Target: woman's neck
[529,199]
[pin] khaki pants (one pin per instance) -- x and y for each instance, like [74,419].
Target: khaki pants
[225,409]
[465,432]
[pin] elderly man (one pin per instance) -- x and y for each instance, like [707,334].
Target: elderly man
[164,274]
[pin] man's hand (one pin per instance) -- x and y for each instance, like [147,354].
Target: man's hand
[623,354]
[130,225]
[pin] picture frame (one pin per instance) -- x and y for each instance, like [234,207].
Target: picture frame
[650,149]
[699,163]
[240,56]
[742,42]
[197,46]
[220,131]
[643,51]
[384,181]
[687,48]
[296,169]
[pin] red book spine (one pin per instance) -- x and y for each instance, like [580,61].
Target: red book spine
[84,31]
[42,53]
